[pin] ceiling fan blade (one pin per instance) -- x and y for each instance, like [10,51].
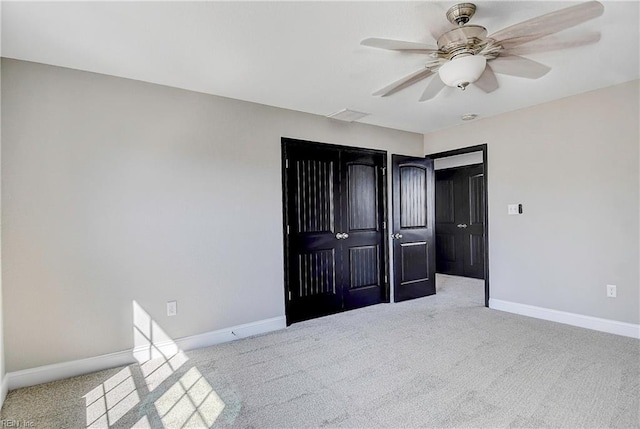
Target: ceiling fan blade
[488,81]
[404,82]
[547,24]
[399,45]
[433,18]
[434,87]
[519,66]
[553,43]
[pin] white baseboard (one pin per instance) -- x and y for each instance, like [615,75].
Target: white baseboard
[4,389]
[582,321]
[58,371]
[44,374]
[234,333]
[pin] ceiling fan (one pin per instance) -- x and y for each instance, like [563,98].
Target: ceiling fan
[466,55]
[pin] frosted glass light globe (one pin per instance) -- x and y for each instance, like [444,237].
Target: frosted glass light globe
[461,71]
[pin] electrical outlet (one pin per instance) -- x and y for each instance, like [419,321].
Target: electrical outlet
[172,308]
[611,291]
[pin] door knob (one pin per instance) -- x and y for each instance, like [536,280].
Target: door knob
[397,236]
[462,225]
[339,236]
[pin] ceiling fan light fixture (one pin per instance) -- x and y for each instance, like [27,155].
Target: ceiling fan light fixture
[462,52]
[462,70]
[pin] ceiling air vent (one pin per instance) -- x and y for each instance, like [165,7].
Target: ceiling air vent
[469,116]
[347,115]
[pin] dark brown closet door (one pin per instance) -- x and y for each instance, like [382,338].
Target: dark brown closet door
[413,227]
[362,221]
[459,221]
[335,254]
[314,251]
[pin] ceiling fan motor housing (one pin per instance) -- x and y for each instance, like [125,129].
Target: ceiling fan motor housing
[469,39]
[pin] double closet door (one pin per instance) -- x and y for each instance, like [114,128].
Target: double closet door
[335,251]
[460,221]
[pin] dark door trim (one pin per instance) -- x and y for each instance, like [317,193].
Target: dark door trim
[461,151]
[291,142]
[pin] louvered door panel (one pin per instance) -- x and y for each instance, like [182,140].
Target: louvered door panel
[315,195]
[317,273]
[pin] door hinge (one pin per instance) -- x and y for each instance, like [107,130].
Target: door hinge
[286,163]
[287,229]
[289,295]
[384,171]
[384,225]
[385,278]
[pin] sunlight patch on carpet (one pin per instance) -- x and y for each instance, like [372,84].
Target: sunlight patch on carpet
[191,402]
[111,400]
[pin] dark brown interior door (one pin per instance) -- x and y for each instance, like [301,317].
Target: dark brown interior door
[413,231]
[335,256]
[459,221]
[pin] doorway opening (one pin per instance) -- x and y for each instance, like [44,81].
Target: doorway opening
[462,240]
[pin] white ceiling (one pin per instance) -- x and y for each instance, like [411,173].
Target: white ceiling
[306,56]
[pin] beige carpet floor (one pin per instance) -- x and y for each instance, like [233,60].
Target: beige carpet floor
[439,361]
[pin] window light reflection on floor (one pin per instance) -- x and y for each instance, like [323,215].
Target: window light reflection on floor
[158,354]
[189,402]
[111,400]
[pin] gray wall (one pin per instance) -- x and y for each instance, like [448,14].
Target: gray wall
[117,190]
[573,164]
[3,387]
[457,160]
